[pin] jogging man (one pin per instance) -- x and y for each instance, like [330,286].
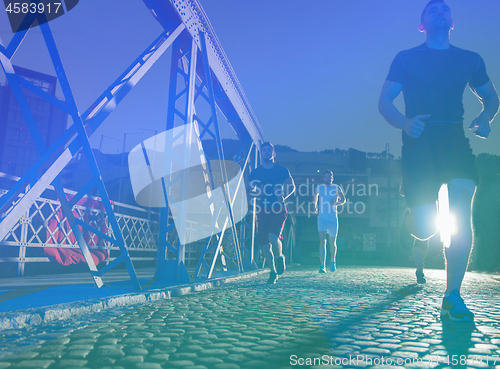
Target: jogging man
[273,184]
[330,196]
[433,77]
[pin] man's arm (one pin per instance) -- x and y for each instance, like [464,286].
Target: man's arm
[252,189]
[315,200]
[341,197]
[289,185]
[390,90]
[489,98]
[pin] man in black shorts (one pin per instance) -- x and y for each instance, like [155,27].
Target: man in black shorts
[272,183]
[433,77]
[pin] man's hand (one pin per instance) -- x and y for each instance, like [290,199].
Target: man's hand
[335,202]
[481,126]
[414,126]
[255,192]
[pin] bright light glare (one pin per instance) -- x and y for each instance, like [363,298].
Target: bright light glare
[447,224]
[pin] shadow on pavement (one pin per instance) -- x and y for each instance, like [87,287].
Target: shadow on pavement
[457,340]
[367,313]
[410,289]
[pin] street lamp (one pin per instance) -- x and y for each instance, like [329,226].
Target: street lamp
[102,139]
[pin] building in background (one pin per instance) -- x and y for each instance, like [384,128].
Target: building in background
[18,151]
[370,219]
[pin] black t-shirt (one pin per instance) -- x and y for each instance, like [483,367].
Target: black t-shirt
[434,80]
[267,180]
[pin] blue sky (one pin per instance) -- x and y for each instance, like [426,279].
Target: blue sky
[312,71]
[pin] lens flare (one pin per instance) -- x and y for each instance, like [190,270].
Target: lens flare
[446,221]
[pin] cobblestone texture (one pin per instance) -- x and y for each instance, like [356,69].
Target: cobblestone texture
[355,317]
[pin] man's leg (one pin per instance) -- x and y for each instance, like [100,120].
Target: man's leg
[322,251]
[461,193]
[277,246]
[278,253]
[421,221]
[333,252]
[268,254]
[419,254]
[419,224]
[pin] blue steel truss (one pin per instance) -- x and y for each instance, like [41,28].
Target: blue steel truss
[186,24]
[197,54]
[190,87]
[13,207]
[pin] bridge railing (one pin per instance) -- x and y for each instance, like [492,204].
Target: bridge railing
[44,226]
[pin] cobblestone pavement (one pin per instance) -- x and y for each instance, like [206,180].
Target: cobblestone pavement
[355,317]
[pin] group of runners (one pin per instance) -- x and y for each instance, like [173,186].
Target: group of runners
[432,78]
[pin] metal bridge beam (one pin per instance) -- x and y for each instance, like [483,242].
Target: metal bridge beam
[185,22]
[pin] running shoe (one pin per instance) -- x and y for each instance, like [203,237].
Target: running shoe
[333,267]
[280,264]
[420,277]
[454,307]
[406,240]
[322,270]
[273,278]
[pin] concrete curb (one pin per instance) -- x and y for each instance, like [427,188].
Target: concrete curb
[22,318]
